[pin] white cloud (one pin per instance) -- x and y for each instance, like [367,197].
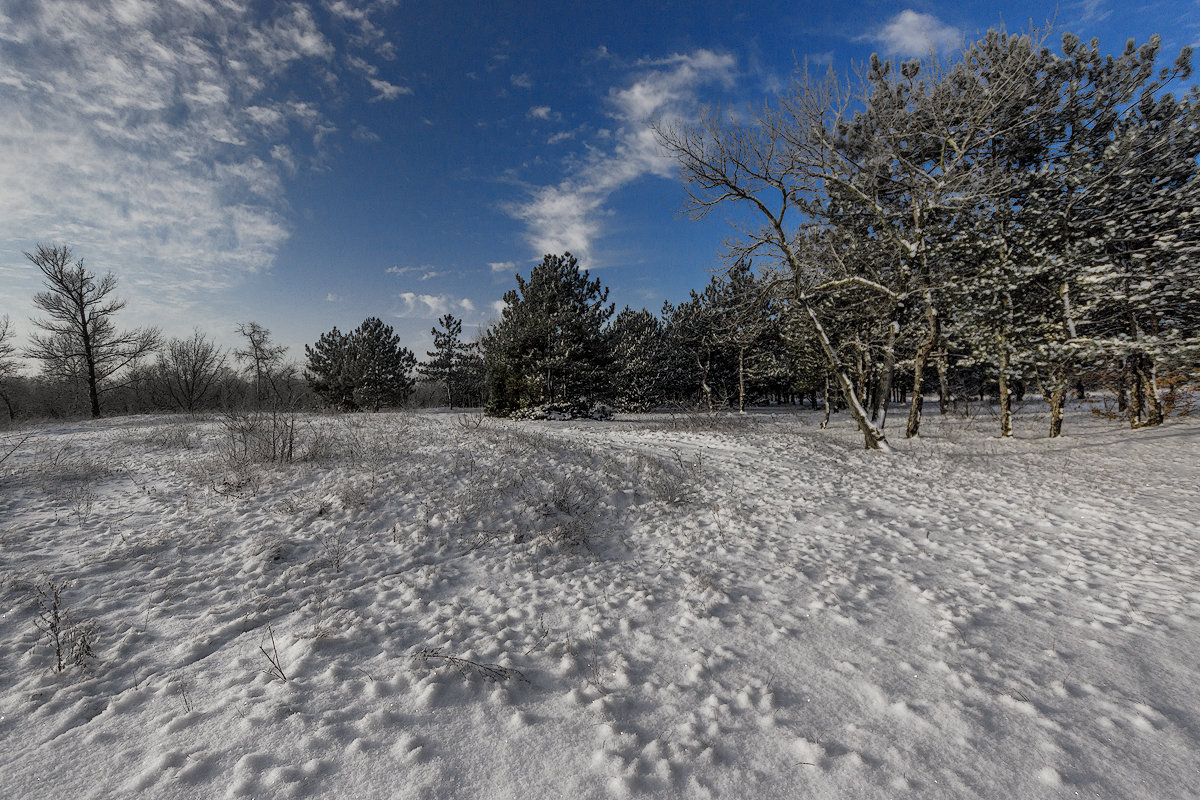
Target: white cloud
[333,298]
[426,272]
[387,91]
[152,138]
[541,112]
[362,133]
[523,80]
[498,307]
[911,33]
[1093,11]
[502,266]
[431,306]
[568,216]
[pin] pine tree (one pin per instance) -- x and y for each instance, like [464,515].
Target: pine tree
[364,369]
[550,344]
[382,368]
[330,369]
[447,362]
[641,364]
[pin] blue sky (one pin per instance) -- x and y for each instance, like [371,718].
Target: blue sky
[309,164]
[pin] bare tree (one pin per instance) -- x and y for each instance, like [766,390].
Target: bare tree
[189,371]
[261,356]
[775,165]
[8,362]
[79,335]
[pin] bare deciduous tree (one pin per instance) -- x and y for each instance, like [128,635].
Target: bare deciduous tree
[8,362]
[775,165]
[189,371]
[261,356]
[79,337]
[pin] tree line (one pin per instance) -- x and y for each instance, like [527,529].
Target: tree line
[1022,212]
[1013,219]
[89,366]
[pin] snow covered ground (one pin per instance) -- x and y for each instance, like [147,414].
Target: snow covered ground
[434,608]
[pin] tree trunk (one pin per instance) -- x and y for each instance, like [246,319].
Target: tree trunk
[1137,393]
[741,380]
[919,363]
[1057,398]
[1154,409]
[93,390]
[825,422]
[873,438]
[942,370]
[914,409]
[1005,396]
[884,390]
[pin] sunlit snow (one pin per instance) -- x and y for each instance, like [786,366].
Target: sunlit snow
[443,606]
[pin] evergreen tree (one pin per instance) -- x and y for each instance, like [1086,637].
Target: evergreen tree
[364,369]
[382,368]
[550,344]
[641,363]
[448,361]
[330,369]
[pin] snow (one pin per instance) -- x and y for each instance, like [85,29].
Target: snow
[649,607]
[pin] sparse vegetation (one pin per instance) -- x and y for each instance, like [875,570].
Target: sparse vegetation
[72,641]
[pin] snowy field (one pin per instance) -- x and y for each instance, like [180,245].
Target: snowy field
[437,606]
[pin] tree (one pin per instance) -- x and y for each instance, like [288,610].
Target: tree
[189,370]
[364,369]
[641,362]
[382,369]
[79,336]
[447,361]
[8,363]
[744,319]
[330,369]
[262,357]
[550,344]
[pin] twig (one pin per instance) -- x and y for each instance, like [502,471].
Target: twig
[465,666]
[14,448]
[276,669]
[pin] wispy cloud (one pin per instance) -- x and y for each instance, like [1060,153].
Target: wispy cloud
[424,272]
[569,215]
[1092,11]
[432,306]
[502,266]
[152,137]
[912,33]
[522,81]
[384,90]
